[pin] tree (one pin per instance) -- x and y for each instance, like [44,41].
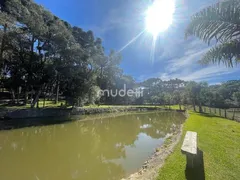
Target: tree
[191,90]
[218,23]
[177,98]
[236,101]
[184,99]
[44,55]
[168,99]
[28,44]
[236,97]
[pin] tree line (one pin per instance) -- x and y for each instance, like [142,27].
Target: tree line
[44,56]
[183,93]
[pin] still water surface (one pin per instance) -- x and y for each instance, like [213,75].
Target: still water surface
[102,147]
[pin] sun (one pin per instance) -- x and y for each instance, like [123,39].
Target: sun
[159,16]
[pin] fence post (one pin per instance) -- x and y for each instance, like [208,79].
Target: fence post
[233,118]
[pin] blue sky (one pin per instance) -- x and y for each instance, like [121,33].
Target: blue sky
[118,21]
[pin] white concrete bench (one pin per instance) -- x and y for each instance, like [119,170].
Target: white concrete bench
[189,147]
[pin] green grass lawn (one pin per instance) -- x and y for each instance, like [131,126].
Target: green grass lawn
[51,104]
[218,139]
[146,106]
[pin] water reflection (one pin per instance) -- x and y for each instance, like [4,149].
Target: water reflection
[105,148]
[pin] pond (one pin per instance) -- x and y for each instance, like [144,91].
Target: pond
[96,147]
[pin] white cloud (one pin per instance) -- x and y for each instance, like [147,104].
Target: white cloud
[205,74]
[187,68]
[187,61]
[209,73]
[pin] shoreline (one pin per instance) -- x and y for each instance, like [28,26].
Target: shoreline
[40,117]
[6,114]
[150,169]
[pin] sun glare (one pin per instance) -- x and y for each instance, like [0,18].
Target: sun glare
[159,16]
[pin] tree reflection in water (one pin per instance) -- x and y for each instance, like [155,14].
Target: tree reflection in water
[88,150]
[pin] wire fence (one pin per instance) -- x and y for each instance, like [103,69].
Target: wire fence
[233,113]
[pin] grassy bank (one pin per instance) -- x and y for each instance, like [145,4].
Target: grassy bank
[51,104]
[218,139]
[143,106]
